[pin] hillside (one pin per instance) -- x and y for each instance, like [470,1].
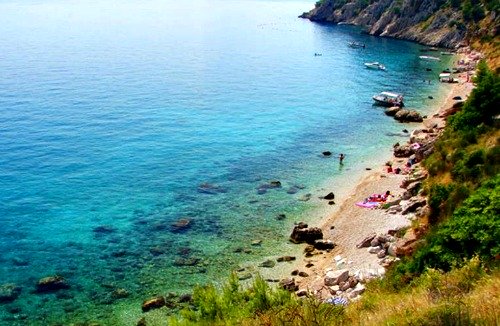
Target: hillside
[446,23]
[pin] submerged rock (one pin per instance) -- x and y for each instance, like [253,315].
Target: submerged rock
[120,293]
[280,217]
[244,276]
[305,197]
[267,264]
[9,292]
[181,225]
[190,261]
[51,284]
[153,303]
[104,229]
[210,189]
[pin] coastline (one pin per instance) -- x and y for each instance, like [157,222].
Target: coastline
[347,224]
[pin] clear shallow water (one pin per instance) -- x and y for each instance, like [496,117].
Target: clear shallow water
[113,114]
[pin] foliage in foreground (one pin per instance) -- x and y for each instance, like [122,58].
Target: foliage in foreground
[233,304]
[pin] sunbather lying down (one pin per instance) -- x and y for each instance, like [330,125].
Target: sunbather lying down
[378,197]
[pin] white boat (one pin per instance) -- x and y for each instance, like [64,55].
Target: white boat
[388,99]
[447,78]
[374,65]
[356,45]
[447,53]
[429,58]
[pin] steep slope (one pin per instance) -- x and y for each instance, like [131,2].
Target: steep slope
[433,22]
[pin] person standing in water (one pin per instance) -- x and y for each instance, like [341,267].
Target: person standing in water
[341,158]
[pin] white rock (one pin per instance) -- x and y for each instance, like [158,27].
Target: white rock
[374,250]
[392,250]
[335,288]
[335,277]
[359,289]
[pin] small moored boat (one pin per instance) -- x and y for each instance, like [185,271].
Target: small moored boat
[374,65]
[429,58]
[388,99]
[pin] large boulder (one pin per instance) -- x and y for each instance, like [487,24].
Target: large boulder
[336,277]
[403,151]
[413,204]
[51,284]
[153,303]
[392,111]
[412,190]
[309,235]
[366,242]
[408,116]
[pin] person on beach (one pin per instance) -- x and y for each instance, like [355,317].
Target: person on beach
[341,158]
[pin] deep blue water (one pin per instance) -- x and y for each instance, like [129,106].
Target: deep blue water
[113,113]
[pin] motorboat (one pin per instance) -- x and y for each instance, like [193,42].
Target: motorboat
[447,53]
[375,65]
[356,45]
[388,99]
[446,77]
[429,58]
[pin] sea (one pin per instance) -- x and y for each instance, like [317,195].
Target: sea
[149,146]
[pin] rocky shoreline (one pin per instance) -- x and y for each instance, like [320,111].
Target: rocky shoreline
[355,244]
[426,22]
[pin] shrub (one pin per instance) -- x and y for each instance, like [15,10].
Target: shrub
[473,229]
[438,194]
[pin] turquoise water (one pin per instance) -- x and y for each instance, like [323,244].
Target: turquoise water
[112,114]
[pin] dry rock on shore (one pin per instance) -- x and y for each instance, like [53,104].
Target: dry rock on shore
[302,233]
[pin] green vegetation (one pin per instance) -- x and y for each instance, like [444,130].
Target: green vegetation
[235,305]
[452,279]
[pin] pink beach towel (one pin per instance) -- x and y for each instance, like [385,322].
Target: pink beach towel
[368,204]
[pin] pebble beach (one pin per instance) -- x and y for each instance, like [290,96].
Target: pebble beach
[349,224]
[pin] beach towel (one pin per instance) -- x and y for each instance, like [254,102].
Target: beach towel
[339,301]
[368,204]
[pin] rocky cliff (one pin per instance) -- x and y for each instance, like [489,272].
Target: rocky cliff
[431,22]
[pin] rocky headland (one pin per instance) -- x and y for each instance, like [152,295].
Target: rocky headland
[434,23]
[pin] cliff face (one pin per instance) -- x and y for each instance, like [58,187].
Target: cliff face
[429,22]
